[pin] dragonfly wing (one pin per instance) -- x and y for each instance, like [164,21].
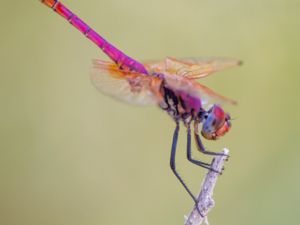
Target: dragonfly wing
[195,68]
[192,68]
[131,87]
[155,66]
[194,88]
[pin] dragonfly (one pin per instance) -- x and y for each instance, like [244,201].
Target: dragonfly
[172,84]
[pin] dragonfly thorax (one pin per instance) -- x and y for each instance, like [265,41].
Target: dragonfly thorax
[180,105]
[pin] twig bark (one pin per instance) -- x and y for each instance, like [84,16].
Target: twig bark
[205,201]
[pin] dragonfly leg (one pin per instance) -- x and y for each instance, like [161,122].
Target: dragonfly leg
[201,147]
[173,166]
[194,161]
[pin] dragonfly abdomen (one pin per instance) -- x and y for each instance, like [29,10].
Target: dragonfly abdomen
[112,52]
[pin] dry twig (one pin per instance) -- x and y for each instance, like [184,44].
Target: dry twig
[205,201]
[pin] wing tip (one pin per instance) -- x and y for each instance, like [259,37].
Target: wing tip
[234,102]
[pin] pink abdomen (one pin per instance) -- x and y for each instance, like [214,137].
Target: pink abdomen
[115,54]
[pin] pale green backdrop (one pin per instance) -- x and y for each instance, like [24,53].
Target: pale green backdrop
[72,156]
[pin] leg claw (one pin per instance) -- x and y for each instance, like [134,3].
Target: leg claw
[227,157]
[199,211]
[216,171]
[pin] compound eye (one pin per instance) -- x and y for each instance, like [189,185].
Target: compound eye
[224,129]
[214,121]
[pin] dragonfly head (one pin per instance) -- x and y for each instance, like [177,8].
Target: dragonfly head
[215,123]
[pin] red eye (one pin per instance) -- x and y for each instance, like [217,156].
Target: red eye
[216,124]
[218,112]
[224,129]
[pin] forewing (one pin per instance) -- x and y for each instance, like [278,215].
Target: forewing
[131,87]
[193,68]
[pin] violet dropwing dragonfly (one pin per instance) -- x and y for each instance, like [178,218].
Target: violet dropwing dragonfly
[171,84]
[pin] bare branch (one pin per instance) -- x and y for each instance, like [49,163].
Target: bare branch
[205,201]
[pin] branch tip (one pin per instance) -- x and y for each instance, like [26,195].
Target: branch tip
[205,200]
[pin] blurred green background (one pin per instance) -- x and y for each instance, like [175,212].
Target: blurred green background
[72,156]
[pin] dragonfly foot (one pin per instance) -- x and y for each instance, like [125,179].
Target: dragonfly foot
[222,154]
[198,209]
[216,171]
[227,157]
